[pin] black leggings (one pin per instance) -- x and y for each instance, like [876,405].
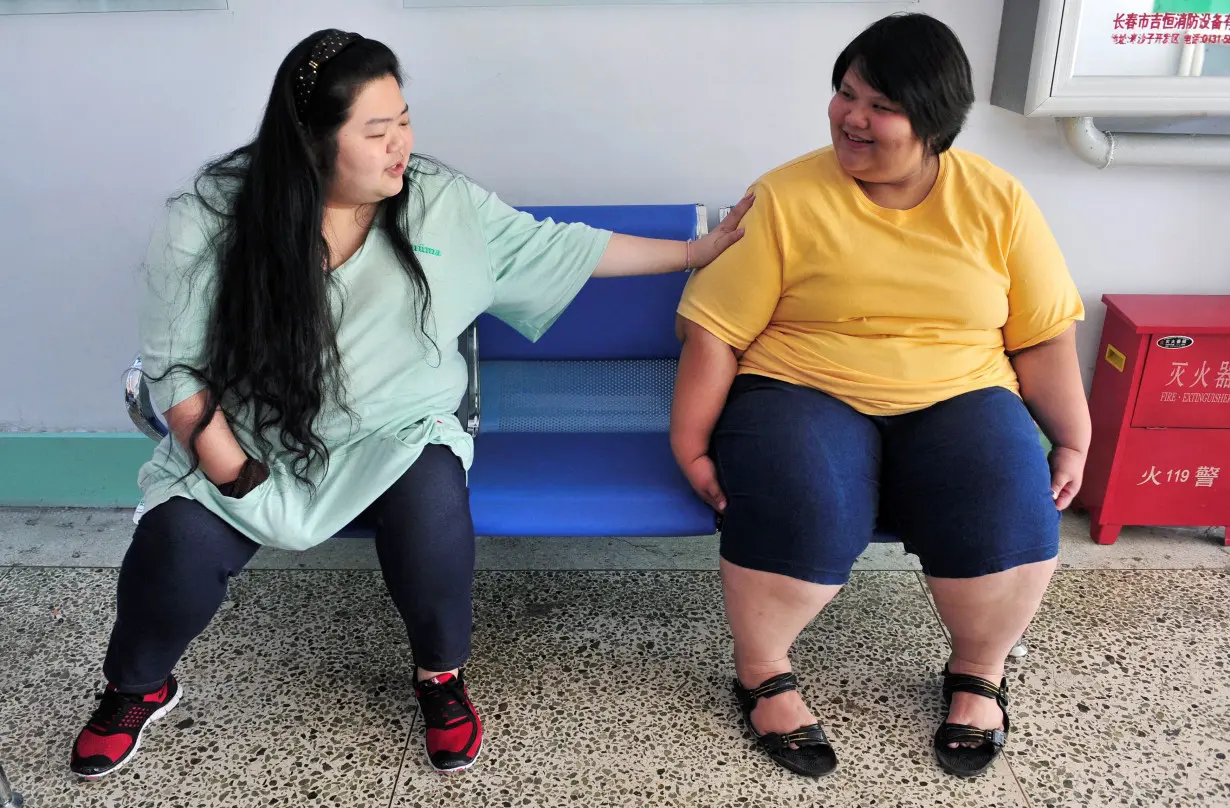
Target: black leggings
[175,572]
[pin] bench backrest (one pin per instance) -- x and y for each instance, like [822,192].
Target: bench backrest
[611,318]
[608,363]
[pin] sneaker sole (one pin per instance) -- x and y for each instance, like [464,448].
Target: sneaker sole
[136,747]
[455,769]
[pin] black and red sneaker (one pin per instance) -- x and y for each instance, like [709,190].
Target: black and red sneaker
[113,734]
[454,731]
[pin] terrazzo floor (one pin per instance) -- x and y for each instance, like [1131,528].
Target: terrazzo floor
[604,681]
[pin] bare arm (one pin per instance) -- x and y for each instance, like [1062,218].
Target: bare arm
[707,367]
[221,457]
[1051,386]
[633,255]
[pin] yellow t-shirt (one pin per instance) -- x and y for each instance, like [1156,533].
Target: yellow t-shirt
[888,310]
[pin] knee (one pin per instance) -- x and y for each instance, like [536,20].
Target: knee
[797,525]
[172,525]
[437,475]
[428,508]
[183,533]
[755,587]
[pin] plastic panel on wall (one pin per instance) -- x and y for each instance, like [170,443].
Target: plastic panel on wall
[506,3]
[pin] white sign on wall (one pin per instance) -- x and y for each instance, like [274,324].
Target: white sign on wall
[505,3]
[88,6]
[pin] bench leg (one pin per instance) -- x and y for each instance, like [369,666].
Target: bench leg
[8,797]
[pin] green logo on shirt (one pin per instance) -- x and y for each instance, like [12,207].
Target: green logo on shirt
[419,248]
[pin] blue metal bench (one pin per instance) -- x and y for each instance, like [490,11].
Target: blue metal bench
[573,438]
[572,432]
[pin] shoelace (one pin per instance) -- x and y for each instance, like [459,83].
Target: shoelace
[111,706]
[446,702]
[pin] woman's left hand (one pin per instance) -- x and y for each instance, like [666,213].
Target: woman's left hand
[710,246]
[1067,472]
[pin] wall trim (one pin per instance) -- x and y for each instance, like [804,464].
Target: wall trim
[72,469]
[83,469]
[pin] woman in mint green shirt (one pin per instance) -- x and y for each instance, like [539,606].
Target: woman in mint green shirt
[299,327]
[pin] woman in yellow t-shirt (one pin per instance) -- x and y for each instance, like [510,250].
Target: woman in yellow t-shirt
[870,354]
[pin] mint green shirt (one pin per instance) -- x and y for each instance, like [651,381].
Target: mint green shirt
[479,255]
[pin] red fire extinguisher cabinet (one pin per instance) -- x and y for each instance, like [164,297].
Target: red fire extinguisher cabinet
[1160,406]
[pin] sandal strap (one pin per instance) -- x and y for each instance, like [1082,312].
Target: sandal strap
[960,682]
[961,733]
[782,683]
[810,735]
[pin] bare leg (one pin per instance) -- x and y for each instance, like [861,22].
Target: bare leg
[766,612]
[986,616]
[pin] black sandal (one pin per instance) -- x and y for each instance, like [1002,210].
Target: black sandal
[814,757]
[967,761]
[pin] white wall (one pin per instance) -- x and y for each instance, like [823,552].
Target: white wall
[103,115]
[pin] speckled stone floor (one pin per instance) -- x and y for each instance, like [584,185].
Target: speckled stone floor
[604,682]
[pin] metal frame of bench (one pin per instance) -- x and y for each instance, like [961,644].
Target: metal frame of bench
[8,797]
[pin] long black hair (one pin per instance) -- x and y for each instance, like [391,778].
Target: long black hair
[271,344]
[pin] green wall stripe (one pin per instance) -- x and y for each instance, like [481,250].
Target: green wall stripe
[83,469]
[73,470]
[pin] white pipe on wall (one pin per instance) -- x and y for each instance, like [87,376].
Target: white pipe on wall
[1186,57]
[1191,57]
[1103,149]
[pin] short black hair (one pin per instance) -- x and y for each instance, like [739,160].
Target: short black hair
[916,61]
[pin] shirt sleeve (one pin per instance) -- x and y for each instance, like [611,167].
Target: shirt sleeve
[735,296]
[175,307]
[1043,300]
[537,267]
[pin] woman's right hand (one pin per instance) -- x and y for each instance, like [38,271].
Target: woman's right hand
[707,367]
[1067,472]
[702,475]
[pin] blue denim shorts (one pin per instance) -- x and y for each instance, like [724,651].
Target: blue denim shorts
[963,484]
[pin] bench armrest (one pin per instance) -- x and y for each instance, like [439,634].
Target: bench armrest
[470,413]
[137,403]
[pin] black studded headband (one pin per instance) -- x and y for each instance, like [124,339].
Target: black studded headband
[330,45]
